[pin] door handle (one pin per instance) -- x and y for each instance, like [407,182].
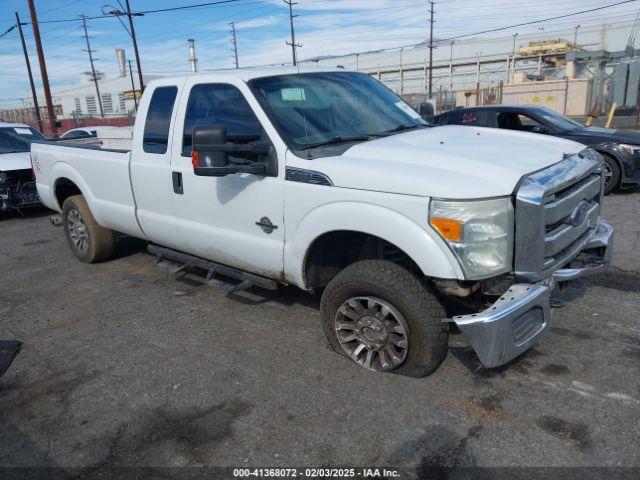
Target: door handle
[178,187]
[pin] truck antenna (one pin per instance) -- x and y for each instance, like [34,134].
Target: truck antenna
[304,116]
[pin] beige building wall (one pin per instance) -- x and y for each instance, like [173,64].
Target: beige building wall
[551,94]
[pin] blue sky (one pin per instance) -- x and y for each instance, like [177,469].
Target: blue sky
[324,27]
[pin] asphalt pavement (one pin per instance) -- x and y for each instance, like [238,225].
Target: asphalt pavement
[124,364]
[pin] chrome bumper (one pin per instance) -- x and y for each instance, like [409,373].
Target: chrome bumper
[515,322]
[594,257]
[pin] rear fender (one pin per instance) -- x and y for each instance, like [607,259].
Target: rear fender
[63,170]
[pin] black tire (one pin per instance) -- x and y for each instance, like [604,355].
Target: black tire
[97,242]
[612,167]
[411,298]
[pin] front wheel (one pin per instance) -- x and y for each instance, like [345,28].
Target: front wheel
[385,319]
[611,174]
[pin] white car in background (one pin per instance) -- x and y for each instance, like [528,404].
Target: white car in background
[17,186]
[81,135]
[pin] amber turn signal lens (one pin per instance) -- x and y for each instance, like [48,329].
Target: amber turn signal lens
[448,228]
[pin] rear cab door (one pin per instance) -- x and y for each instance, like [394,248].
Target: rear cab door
[151,176]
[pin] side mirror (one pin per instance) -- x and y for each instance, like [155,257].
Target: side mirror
[426,111]
[210,153]
[540,129]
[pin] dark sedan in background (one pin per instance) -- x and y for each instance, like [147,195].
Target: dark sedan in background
[620,148]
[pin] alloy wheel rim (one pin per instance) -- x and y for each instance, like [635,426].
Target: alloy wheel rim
[372,332]
[77,230]
[608,174]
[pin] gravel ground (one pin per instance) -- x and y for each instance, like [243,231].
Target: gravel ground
[123,364]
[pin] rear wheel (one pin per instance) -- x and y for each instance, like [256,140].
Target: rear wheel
[88,241]
[385,319]
[611,174]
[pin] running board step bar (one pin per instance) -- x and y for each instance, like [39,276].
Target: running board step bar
[247,280]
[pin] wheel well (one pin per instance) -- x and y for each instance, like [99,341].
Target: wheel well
[64,189]
[604,153]
[333,251]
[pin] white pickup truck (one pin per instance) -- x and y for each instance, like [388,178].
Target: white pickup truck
[326,180]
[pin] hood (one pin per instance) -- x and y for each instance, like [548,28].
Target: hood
[447,162]
[608,135]
[15,161]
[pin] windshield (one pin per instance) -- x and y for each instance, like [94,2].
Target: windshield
[17,139]
[312,109]
[560,122]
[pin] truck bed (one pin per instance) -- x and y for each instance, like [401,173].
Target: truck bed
[101,175]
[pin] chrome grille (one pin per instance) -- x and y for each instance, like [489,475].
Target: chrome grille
[557,209]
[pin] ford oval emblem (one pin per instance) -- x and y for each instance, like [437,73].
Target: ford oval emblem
[579,213]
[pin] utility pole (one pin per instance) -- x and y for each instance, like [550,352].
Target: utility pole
[603,37]
[234,42]
[193,61]
[401,73]
[43,68]
[132,32]
[133,87]
[26,59]
[451,66]
[292,43]
[478,79]
[431,4]
[93,70]
[575,36]
[513,58]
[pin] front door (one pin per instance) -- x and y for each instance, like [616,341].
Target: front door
[226,219]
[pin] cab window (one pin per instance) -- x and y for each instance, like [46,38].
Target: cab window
[156,126]
[220,104]
[466,117]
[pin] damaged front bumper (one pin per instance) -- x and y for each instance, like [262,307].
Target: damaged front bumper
[18,195]
[517,319]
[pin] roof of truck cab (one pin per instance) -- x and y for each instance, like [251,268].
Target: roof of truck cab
[247,74]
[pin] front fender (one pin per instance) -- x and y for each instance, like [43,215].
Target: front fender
[421,244]
[616,152]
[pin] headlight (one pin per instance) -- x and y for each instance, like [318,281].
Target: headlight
[631,149]
[479,232]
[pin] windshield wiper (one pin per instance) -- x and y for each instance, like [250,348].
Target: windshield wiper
[400,128]
[339,139]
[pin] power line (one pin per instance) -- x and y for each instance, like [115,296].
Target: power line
[8,30]
[449,39]
[538,21]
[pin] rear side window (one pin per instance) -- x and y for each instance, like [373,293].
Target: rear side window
[465,117]
[156,126]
